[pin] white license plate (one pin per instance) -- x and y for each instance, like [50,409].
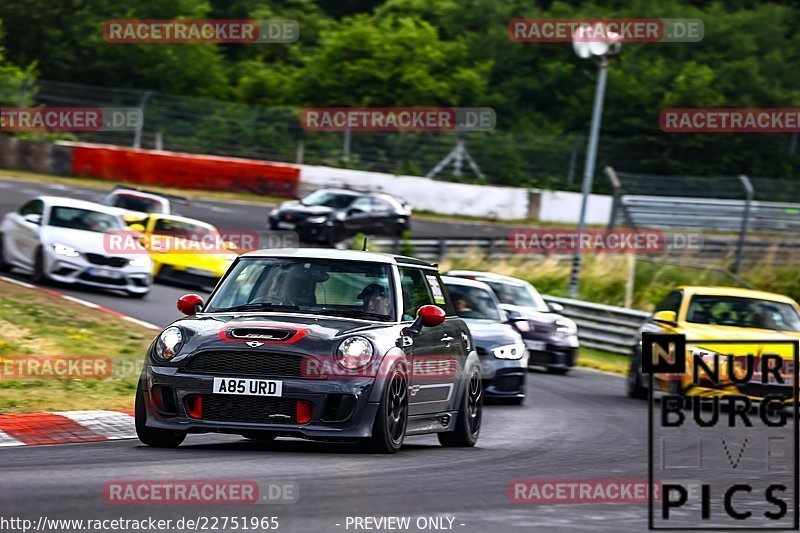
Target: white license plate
[285,225]
[102,273]
[248,387]
[536,346]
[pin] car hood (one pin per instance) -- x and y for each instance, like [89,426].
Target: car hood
[488,334]
[303,333]
[90,242]
[307,210]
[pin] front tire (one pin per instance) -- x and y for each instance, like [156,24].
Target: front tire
[4,267]
[389,429]
[634,383]
[468,423]
[39,276]
[157,438]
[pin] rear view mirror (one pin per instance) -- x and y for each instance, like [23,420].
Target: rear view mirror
[189,304]
[33,219]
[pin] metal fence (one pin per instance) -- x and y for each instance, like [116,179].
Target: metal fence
[603,327]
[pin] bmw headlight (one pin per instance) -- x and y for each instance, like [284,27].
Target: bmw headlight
[141,261]
[509,351]
[169,343]
[63,249]
[566,326]
[316,220]
[354,352]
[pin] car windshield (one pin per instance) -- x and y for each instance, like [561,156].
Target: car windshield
[515,294]
[353,289]
[84,219]
[742,313]
[473,302]
[329,199]
[181,229]
[136,203]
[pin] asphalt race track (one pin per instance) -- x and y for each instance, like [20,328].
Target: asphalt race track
[159,306]
[571,427]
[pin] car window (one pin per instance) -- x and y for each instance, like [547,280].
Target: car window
[671,302]
[743,313]
[179,228]
[363,204]
[473,302]
[416,291]
[381,205]
[84,219]
[34,207]
[328,199]
[517,294]
[136,203]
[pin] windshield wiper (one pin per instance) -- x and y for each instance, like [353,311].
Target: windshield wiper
[257,306]
[355,313]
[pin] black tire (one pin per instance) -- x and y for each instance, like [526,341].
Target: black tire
[389,428]
[157,438]
[470,416]
[39,276]
[4,267]
[516,401]
[634,384]
[559,371]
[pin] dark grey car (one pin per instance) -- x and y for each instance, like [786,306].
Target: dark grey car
[504,358]
[551,338]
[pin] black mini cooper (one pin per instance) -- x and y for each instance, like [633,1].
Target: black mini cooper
[317,344]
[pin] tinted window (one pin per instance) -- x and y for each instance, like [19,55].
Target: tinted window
[416,292]
[329,199]
[671,302]
[83,219]
[34,207]
[513,294]
[362,204]
[381,205]
[136,203]
[743,313]
[473,302]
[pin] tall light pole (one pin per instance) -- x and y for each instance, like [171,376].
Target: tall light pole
[609,44]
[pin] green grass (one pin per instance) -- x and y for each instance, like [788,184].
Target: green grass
[35,325]
[606,361]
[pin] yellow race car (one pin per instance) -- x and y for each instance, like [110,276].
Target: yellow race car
[185,251]
[711,317]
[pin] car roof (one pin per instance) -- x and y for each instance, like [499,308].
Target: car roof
[464,282]
[138,193]
[61,201]
[487,275]
[342,255]
[735,291]
[375,194]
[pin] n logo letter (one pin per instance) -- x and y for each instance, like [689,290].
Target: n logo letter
[663,353]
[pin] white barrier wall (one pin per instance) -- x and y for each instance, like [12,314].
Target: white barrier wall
[448,198]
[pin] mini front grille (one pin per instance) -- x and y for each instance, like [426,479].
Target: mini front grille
[246,363]
[97,259]
[249,409]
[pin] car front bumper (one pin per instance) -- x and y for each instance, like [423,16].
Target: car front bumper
[77,270]
[552,353]
[341,407]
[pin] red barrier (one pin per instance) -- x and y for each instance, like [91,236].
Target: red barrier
[186,171]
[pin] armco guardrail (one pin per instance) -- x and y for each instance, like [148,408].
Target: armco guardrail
[603,327]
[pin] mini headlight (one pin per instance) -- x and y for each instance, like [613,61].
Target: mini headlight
[141,261]
[316,220]
[63,249]
[169,343]
[566,326]
[354,352]
[509,351]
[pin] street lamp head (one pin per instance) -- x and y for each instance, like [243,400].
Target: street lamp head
[595,40]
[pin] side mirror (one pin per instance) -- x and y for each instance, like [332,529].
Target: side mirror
[136,227]
[668,317]
[427,316]
[555,307]
[189,304]
[33,219]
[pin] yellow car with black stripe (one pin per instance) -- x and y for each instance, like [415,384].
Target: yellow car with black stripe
[184,250]
[711,317]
